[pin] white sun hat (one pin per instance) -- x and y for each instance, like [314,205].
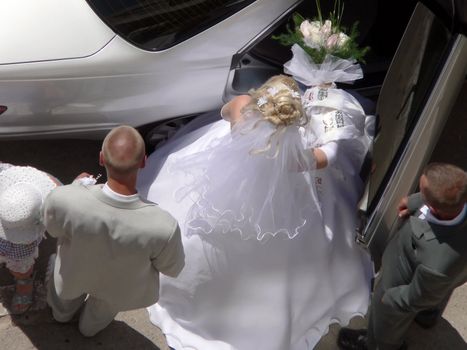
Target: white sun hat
[22,192]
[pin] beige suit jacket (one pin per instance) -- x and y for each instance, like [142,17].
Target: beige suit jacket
[111,250]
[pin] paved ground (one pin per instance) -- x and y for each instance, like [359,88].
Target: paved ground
[132,330]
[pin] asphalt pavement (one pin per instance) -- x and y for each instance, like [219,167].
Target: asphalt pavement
[132,330]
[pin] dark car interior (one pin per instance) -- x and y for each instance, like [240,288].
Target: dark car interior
[380,24]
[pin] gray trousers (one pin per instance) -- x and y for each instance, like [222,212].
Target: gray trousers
[388,327]
[95,315]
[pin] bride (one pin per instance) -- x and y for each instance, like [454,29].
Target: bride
[268,238]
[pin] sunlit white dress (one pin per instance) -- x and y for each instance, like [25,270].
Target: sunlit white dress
[259,289]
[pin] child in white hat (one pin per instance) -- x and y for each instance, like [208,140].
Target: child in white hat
[22,192]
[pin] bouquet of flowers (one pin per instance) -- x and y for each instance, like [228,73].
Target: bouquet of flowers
[322,51]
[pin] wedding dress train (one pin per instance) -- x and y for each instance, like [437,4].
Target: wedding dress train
[278,293]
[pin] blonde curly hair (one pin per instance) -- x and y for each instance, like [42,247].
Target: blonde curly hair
[279,101]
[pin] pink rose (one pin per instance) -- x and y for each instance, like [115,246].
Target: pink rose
[331,43]
[326,29]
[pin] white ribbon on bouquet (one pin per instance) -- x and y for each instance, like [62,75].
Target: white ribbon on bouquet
[333,69]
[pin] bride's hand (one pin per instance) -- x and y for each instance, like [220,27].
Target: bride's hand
[320,157]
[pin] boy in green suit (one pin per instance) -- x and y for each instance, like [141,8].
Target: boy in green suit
[422,264]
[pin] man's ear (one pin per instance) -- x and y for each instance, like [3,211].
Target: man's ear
[101,159]
[143,162]
[434,211]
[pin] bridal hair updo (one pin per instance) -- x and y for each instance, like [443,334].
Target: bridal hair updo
[279,101]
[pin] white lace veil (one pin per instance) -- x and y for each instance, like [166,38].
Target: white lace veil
[257,181]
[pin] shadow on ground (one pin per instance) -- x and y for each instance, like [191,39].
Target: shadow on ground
[43,333]
[441,337]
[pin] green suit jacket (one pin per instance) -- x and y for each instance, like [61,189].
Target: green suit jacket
[422,264]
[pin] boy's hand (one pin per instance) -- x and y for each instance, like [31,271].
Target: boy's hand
[402,208]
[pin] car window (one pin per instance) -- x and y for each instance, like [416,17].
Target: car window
[412,73]
[159,24]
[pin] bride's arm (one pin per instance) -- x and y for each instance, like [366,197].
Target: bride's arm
[232,111]
[325,154]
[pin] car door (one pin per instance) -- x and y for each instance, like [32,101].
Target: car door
[419,90]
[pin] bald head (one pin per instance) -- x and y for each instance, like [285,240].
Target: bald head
[123,151]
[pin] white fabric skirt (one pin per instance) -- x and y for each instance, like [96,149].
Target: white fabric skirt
[246,294]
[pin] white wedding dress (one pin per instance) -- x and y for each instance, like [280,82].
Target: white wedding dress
[253,290]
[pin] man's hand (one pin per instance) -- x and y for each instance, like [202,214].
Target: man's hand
[87,179]
[84,174]
[402,208]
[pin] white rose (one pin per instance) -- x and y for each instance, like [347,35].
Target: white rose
[305,28]
[342,39]
[311,33]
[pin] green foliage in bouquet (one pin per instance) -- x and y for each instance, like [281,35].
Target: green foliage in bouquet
[321,37]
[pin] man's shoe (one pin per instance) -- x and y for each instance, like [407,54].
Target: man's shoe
[356,339]
[352,339]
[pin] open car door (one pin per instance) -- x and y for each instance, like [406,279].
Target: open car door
[418,93]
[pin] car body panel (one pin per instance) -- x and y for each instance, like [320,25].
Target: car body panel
[32,31]
[121,84]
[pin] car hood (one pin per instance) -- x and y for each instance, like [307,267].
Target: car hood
[32,30]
